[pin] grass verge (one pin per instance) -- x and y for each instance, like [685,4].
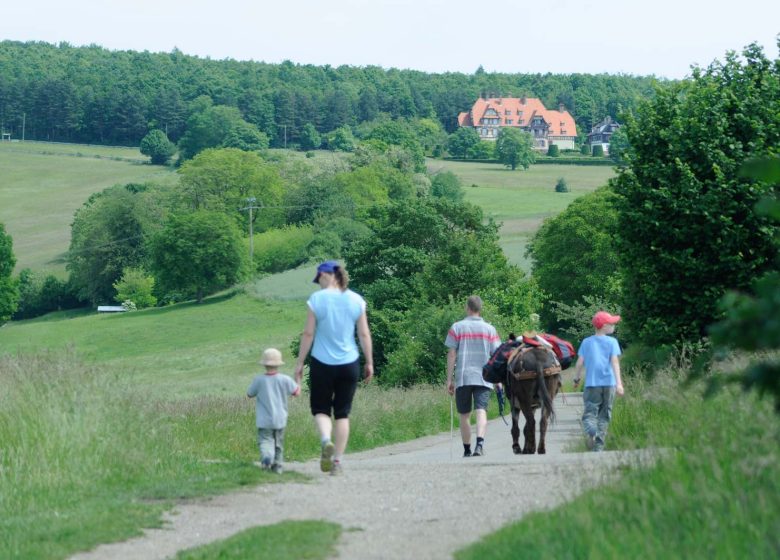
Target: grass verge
[302,540]
[89,458]
[717,495]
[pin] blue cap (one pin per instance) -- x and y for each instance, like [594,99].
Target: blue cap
[327,266]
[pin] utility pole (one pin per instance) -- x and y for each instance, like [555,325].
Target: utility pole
[252,204]
[24,119]
[285,136]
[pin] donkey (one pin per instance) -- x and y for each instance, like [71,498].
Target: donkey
[533,379]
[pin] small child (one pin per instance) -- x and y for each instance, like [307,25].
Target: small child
[271,391]
[599,354]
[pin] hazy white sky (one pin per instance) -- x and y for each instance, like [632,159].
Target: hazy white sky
[640,37]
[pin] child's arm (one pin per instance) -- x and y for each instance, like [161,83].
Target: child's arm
[616,368]
[578,371]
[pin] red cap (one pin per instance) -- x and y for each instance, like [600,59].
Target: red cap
[603,318]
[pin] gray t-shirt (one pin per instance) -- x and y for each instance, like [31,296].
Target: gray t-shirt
[271,391]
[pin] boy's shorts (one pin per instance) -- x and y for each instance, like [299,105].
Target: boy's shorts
[465,394]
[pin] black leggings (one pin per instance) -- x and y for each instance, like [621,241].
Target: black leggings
[333,387]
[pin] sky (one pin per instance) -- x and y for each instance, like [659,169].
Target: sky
[638,37]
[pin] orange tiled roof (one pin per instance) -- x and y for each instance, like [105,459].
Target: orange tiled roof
[561,123]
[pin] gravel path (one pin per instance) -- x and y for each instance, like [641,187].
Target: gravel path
[418,499]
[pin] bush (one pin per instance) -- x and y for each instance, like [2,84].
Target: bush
[553,150]
[561,186]
[585,150]
[447,185]
[157,146]
[39,294]
[277,250]
[598,151]
[137,287]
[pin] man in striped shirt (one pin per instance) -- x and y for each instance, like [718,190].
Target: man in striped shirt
[470,342]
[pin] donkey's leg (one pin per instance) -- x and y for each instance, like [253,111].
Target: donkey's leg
[515,430]
[552,389]
[529,448]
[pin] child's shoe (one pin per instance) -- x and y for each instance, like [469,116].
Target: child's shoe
[326,459]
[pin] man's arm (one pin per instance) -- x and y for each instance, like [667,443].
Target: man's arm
[578,371]
[452,353]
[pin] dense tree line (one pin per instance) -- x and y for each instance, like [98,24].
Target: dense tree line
[93,95]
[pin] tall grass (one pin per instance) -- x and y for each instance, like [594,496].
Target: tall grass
[87,458]
[716,493]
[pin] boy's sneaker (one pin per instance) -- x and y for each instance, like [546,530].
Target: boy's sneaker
[467,453]
[336,469]
[277,468]
[326,459]
[478,451]
[590,442]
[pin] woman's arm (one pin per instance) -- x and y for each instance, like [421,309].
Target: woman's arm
[306,339]
[364,335]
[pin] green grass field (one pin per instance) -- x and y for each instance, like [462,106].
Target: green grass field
[43,184]
[520,200]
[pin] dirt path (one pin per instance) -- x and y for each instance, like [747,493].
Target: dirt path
[417,499]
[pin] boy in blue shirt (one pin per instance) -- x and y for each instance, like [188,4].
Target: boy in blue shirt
[599,355]
[271,391]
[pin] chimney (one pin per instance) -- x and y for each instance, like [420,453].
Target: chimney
[522,100]
[561,107]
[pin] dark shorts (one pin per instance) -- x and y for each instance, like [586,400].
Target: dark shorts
[464,396]
[333,387]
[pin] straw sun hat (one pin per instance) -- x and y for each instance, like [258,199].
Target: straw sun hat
[272,357]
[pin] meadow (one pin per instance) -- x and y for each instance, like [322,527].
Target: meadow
[520,200]
[43,184]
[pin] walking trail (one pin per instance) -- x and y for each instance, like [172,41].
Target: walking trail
[418,499]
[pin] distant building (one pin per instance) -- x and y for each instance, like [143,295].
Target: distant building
[601,133]
[489,115]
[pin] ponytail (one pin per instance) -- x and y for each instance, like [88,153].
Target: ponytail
[342,278]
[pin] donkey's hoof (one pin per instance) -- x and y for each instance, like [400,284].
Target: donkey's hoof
[528,452]
[516,449]
[541,451]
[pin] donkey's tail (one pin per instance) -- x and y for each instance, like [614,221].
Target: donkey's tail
[541,383]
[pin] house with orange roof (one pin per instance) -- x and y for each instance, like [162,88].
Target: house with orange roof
[488,115]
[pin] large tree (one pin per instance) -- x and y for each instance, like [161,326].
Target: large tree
[9,292]
[686,222]
[157,146]
[196,254]
[515,148]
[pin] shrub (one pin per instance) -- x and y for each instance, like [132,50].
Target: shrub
[553,150]
[598,151]
[561,186]
[39,294]
[137,287]
[157,146]
[585,150]
[447,185]
[277,250]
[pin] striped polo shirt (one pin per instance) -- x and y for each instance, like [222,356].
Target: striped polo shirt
[475,340]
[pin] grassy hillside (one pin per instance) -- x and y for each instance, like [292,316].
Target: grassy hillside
[522,199]
[43,184]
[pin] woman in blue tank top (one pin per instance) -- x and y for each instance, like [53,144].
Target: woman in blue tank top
[335,312]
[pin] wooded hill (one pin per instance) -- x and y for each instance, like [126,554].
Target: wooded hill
[94,95]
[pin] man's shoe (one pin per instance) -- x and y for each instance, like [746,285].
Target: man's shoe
[326,459]
[467,453]
[478,451]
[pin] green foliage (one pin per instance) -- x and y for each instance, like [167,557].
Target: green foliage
[484,149]
[463,141]
[222,180]
[447,185]
[246,136]
[597,151]
[574,254]
[40,294]
[515,148]
[553,150]
[585,150]
[688,232]
[136,286]
[340,140]
[9,291]
[217,126]
[313,540]
[619,147]
[281,249]
[561,186]
[399,133]
[108,235]
[157,146]
[310,139]
[754,316]
[575,318]
[196,254]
